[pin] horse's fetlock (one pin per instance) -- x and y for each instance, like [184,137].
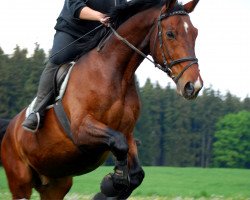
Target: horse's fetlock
[137,178]
[121,175]
[120,180]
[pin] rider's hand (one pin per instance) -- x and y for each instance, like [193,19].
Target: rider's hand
[90,14]
[105,20]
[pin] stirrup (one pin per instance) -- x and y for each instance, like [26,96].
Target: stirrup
[38,122]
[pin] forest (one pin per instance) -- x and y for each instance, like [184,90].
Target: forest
[211,131]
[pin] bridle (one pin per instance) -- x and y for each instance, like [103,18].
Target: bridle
[167,68]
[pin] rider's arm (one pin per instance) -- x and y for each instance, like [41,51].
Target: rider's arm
[87,13]
[81,11]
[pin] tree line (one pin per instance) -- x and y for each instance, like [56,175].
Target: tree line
[211,131]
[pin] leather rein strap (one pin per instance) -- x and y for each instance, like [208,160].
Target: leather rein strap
[167,68]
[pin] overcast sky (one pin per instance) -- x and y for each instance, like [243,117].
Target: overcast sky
[222,46]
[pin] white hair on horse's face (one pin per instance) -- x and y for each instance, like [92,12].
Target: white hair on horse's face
[186,26]
[198,84]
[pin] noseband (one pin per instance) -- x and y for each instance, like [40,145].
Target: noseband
[168,66]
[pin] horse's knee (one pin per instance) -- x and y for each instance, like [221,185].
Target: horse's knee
[118,145]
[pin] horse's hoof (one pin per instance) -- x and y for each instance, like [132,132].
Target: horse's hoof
[107,186]
[99,196]
[112,185]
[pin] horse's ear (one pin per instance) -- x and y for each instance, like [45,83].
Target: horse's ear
[189,7]
[170,4]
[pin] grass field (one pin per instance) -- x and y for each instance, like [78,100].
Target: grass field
[165,183]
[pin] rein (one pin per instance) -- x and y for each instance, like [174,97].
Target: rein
[96,28]
[167,68]
[134,48]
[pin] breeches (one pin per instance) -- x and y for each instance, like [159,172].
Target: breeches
[69,53]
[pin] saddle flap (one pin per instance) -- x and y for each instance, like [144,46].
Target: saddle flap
[60,75]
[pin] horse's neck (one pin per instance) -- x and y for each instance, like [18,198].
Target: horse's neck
[136,30]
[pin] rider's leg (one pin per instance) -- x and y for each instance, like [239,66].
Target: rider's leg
[45,88]
[44,94]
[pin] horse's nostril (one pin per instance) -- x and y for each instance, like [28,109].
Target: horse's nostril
[189,89]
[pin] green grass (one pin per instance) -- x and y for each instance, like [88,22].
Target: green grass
[164,183]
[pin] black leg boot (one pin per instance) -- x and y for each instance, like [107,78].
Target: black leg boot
[44,94]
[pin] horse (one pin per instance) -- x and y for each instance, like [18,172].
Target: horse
[102,105]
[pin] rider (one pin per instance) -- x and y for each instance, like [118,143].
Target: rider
[77,18]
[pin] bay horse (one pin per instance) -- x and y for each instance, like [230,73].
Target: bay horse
[102,105]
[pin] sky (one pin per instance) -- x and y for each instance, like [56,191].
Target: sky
[222,46]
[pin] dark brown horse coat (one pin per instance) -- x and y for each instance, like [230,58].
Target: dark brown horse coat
[102,105]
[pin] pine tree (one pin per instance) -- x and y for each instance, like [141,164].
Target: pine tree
[246,104]
[207,111]
[147,129]
[4,83]
[178,136]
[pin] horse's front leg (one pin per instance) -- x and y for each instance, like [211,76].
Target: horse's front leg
[136,172]
[94,133]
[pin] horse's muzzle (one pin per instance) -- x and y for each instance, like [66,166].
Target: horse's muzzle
[191,90]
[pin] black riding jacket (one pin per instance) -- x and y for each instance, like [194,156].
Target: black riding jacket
[69,22]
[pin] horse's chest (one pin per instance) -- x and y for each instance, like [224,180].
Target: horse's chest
[116,113]
[121,113]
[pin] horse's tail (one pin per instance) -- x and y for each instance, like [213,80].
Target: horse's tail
[3,126]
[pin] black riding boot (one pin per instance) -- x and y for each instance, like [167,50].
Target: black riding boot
[44,94]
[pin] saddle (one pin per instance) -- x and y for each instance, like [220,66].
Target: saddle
[60,83]
[61,79]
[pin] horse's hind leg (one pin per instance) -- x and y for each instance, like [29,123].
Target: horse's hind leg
[20,181]
[18,173]
[55,188]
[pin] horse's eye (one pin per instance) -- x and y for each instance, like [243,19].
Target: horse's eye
[170,35]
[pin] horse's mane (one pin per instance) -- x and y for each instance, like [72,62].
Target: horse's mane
[122,13]
[119,15]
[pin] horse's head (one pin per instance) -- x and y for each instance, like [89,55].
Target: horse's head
[172,46]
